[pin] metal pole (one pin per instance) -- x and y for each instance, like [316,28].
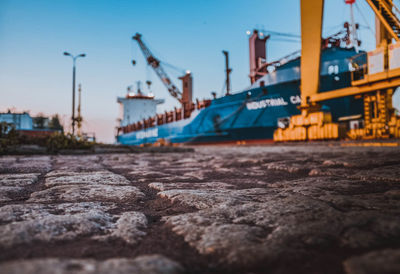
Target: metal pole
[354,38]
[73,86]
[228,71]
[73,98]
[79,118]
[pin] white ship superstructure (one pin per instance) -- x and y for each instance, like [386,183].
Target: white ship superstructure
[136,107]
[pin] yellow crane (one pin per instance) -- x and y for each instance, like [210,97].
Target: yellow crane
[375,81]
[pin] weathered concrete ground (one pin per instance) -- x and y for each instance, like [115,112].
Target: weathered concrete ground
[270,209]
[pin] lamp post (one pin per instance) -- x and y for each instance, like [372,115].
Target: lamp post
[73,86]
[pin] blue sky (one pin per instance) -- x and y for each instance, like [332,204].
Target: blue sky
[35,76]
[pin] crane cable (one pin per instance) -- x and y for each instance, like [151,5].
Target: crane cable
[285,40]
[148,74]
[180,70]
[158,54]
[365,20]
[291,35]
[223,89]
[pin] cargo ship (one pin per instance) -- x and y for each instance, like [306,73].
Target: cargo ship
[252,114]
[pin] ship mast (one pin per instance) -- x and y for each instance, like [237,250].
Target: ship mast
[227,71]
[353,32]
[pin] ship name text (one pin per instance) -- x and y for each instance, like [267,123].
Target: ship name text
[147,134]
[272,102]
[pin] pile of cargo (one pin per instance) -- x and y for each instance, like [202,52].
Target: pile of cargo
[377,130]
[313,126]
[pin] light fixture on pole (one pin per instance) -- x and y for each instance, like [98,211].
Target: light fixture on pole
[73,86]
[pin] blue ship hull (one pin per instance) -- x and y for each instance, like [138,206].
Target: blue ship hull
[252,115]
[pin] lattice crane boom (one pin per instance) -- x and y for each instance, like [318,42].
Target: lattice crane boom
[156,65]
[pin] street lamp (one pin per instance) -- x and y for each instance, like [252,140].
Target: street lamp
[73,86]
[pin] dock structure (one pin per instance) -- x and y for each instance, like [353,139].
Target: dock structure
[374,81]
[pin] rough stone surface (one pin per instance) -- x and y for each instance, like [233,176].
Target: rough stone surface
[78,163]
[12,185]
[129,227]
[246,209]
[85,178]
[153,264]
[28,164]
[18,179]
[64,186]
[86,193]
[24,224]
[383,261]
[175,186]
[8,191]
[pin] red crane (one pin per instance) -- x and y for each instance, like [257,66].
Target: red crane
[156,65]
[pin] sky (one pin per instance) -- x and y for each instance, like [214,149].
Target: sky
[35,76]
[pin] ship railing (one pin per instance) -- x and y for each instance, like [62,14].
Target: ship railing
[160,119]
[169,115]
[272,66]
[359,73]
[166,117]
[139,125]
[177,114]
[358,66]
[152,121]
[202,104]
[149,122]
[188,109]
[377,65]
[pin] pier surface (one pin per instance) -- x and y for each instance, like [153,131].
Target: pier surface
[248,209]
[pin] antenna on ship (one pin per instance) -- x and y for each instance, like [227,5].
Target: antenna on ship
[227,71]
[148,83]
[353,33]
[139,84]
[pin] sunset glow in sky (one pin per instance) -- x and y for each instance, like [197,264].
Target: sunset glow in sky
[35,76]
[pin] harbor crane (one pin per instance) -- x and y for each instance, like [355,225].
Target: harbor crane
[374,81]
[185,97]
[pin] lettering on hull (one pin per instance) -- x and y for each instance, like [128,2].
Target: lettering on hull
[147,134]
[273,102]
[295,100]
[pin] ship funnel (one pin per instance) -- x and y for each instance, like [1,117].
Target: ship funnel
[187,89]
[258,56]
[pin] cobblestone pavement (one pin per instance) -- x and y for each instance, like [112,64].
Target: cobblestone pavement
[267,209]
